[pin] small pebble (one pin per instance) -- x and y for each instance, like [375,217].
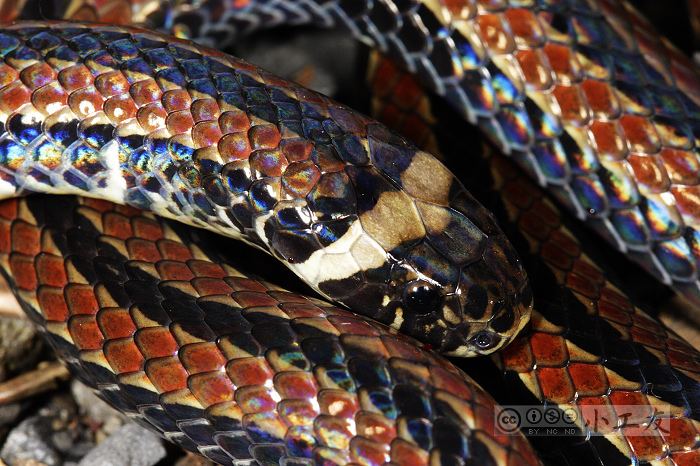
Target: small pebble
[29,442]
[63,440]
[96,409]
[19,345]
[131,445]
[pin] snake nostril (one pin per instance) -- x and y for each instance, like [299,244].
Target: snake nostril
[485,340]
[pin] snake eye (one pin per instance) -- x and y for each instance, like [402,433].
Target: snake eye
[421,297]
[485,340]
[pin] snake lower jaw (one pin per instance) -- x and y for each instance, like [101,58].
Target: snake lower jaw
[524,310]
[472,350]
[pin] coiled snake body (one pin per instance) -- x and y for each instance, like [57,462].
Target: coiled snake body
[240,372]
[589,348]
[218,143]
[582,94]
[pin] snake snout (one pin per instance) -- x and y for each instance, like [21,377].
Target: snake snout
[515,305]
[495,300]
[506,324]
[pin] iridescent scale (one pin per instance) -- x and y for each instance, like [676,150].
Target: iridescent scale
[222,364]
[582,93]
[187,132]
[590,350]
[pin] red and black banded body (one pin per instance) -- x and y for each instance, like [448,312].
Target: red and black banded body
[590,349]
[583,94]
[169,332]
[189,133]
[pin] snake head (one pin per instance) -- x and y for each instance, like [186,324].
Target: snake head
[426,257]
[461,288]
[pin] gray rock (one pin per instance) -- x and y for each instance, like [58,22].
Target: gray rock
[97,410]
[131,445]
[63,440]
[19,345]
[29,442]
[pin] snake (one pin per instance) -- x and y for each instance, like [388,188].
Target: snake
[590,348]
[331,194]
[582,94]
[138,118]
[229,366]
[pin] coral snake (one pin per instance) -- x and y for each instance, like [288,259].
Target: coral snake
[154,131]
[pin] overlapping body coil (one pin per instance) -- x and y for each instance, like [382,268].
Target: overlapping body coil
[190,133]
[589,347]
[583,94]
[243,372]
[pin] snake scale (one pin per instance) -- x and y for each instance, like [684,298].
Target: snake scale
[330,193]
[589,345]
[579,93]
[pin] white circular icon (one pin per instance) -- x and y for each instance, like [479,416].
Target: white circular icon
[533,415]
[569,415]
[508,420]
